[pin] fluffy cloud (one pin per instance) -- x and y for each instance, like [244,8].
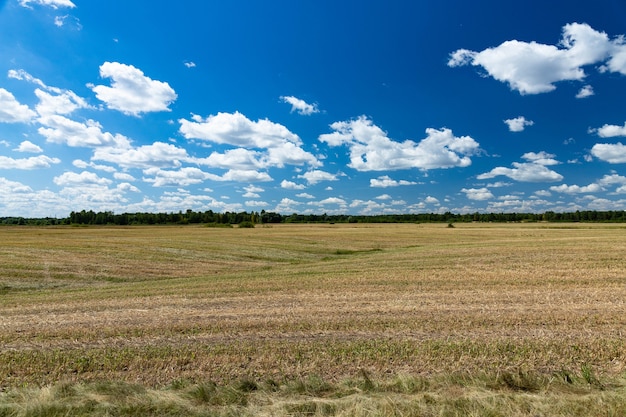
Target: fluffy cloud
[235,129]
[301,106]
[64,102]
[371,207]
[11,111]
[329,201]
[290,154]
[78,163]
[238,158]
[386,181]
[124,186]
[8,187]
[55,4]
[277,145]
[533,68]
[28,146]
[252,191]
[241,175]
[84,178]
[60,129]
[290,185]
[181,177]
[52,100]
[287,205]
[576,189]
[610,131]
[612,179]
[34,162]
[584,92]
[123,176]
[131,92]
[513,204]
[541,158]
[372,150]
[25,76]
[611,153]
[518,124]
[533,171]
[156,155]
[603,204]
[16,197]
[316,176]
[479,194]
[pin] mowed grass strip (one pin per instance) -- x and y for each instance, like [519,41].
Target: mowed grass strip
[152,305]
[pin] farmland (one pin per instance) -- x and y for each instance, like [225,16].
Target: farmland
[315,319]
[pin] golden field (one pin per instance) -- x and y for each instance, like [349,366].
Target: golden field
[156,306]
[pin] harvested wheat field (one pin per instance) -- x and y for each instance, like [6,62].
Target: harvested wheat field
[320,319]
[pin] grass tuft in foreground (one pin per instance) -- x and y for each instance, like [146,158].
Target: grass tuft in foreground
[509,394]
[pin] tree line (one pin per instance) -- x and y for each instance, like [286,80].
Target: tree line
[90,217]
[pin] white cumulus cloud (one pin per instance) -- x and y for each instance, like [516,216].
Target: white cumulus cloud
[533,68]
[287,205]
[372,150]
[533,171]
[584,92]
[610,131]
[613,153]
[290,185]
[300,106]
[252,191]
[28,146]
[55,4]
[479,194]
[34,162]
[576,189]
[12,111]
[60,129]
[518,124]
[276,144]
[156,155]
[237,130]
[52,100]
[64,102]
[132,92]
[386,181]
[84,178]
[181,177]
[316,176]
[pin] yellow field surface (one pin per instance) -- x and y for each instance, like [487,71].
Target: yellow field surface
[152,305]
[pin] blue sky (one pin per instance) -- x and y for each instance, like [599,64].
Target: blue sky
[360,107]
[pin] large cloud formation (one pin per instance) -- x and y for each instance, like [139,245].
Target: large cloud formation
[372,150]
[259,144]
[533,68]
